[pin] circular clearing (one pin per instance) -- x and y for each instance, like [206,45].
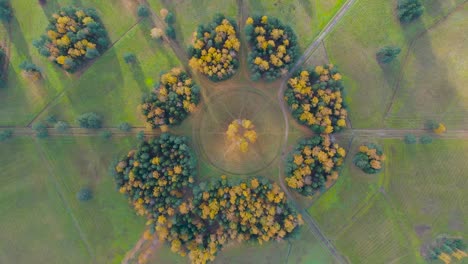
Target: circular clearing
[242,103]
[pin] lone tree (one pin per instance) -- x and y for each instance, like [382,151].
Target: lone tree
[387,54]
[89,120]
[129,58]
[143,11]
[6,134]
[410,139]
[409,10]
[125,127]
[84,194]
[31,70]
[5,11]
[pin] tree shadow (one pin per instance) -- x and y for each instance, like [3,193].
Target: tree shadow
[138,75]
[17,39]
[50,7]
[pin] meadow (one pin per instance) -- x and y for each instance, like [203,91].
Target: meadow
[383,218]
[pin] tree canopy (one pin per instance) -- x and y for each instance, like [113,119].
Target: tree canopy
[369,158]
[315,98]
[313,162]
[214,51]
[274,48]
[172,99]
[387,54]
[409,10]
[89,120]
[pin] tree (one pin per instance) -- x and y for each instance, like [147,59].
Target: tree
[41,130]
[143,11]
[170,32]
[31,69]
[106,134]
[51,119]
[125,127]
[440,129]
[140,135]
[6,134]
[170,18]
[410,139]
[84,194]
[61,126]
[156,33]
[409,10]
[89,120]
[163,13]
[3,62]
[5,11]
[129,58]
[387,54]
[426,139]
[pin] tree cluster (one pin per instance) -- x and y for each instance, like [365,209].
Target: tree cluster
[89,120]
[313,162]
[73,37]
[215,48]
[369,158]
[387,54]
[199,220]
[155,175]
[241,132]
[444,248]
[315,98]
[409,10]
[273,46]
[172,100]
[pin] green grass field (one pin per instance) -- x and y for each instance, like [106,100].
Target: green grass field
[355,40]
[437,92]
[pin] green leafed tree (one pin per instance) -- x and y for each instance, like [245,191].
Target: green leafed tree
[409,10]
[387,54]
[89,120]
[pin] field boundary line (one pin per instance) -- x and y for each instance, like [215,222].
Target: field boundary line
[79,73]
[64,200]
[408,52]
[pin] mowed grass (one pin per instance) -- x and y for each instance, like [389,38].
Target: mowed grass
[306,17]
[433,85]
[23,99]
[368,26]
[113,88]
[190,14]
[428,184]
[35,223]
[108,223]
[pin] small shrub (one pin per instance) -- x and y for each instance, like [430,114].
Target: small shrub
[84,194]
[129,58]
[6,134]
[410,139]
[61,126]
[387,54]
[106,134]
[409,10]
[89,120]
[426,139]
[143,11]
[125,127]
